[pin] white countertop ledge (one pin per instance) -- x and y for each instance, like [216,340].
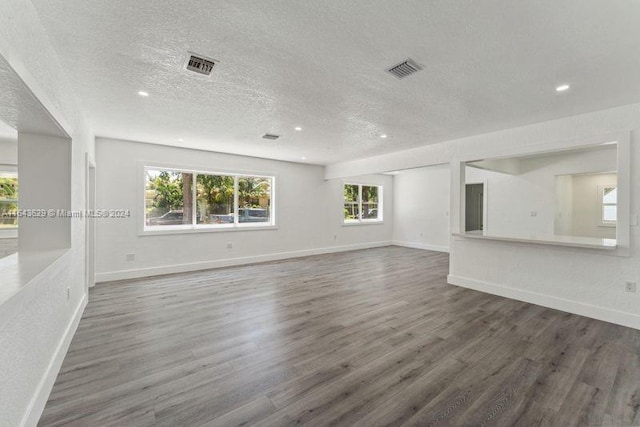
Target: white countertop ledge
[19,269]
[571,241]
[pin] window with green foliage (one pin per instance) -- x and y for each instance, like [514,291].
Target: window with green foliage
[8,202]
[185,199]
[362,203]
[215,199]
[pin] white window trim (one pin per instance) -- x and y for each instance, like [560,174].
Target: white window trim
[601,205]
[150,230]
[360,220]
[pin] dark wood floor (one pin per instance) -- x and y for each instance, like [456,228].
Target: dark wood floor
[373,337]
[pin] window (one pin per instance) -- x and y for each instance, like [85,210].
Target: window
[254,199]
[608,195]
[8,201]
[215,199]
[176,199]
[362,203]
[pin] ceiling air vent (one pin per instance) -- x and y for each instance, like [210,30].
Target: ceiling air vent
[200,64]
[270,136]
[405,68]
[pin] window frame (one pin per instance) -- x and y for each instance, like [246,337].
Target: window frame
[360,220]
[194,227]
[602,204]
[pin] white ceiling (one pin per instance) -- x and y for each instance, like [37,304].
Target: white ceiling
[488,65]
[20,110]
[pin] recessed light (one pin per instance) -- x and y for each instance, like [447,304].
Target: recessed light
[383,136]
[303,158]
[180,140]
[562,88]
[143,93]
[395,172]
[298,128]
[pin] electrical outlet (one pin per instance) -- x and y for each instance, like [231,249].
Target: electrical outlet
[130,257]
[630,287]
[533,213]
[229,245]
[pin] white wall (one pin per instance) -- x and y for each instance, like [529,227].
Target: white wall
[586,218]
[308,214]
[45,183]
[8,153]
[586,282]
[563,225]
[572,280]
[421,208]
[37,324]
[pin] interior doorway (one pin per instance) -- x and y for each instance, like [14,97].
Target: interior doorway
[474,207]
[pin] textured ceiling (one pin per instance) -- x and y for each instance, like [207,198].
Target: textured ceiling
[19,109]
[488,65]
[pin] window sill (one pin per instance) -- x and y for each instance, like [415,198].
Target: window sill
[364,222]
[607,225]
[203,229]
[19,269]
[9,233]
[570,241]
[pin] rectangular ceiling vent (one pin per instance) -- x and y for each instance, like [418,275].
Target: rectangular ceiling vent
[270,136]
[200,64]
[405,68]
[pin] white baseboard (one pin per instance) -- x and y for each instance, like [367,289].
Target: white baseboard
[424,246]
[229,262]
[39,400]
[596,312]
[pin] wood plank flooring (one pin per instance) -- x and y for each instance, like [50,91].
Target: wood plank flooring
[366,338]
